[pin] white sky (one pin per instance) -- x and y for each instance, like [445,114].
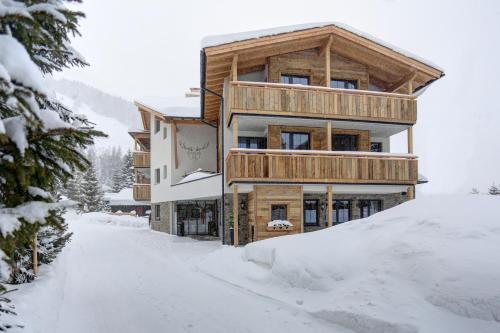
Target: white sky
[151,47]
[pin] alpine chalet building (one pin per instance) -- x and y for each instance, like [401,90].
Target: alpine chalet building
[289,133]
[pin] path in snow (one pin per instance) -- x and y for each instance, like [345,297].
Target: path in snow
[118,279]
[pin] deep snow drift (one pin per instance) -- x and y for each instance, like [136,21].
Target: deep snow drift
[430,265]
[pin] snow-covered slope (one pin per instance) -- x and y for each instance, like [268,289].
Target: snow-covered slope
[112,115]
[430,265]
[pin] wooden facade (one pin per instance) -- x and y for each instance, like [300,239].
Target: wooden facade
[258,98]
[142,192]
[260,201]
[320,140]
[142,159]
[267,166]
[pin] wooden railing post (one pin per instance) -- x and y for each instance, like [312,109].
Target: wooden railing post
[235,131]
[329,136]
[410,139]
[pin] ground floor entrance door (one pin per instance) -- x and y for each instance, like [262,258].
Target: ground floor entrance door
[198,218]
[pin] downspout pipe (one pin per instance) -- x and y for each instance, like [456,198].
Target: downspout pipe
[205,90]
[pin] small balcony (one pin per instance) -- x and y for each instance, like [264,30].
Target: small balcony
[142,159]
[272,99]
[142,192]
[302,166]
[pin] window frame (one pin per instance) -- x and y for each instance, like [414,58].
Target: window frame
[157,125]
[335,211]
[368,204]
[356,136]
[248,139]
[291,76]
[291,133]
[157,175]
[355,82]
[281,205]
[380,145]
[316,223]
[157,212]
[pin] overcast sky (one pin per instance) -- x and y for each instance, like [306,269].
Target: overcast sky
[151,47]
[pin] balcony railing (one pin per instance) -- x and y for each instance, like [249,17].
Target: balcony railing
[270,165]
[321,102]
[142,192]
[142,159]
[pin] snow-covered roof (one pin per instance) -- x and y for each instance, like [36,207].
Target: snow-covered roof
[216,40]
[198,174]
[175,107]
[123,198]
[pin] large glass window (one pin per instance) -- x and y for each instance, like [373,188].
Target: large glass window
[341,211]
[311,212]
[376,147]
[295,141]
[295,79]
[278,212]
[252,142]
[344,84]
[369,207]
[345,142]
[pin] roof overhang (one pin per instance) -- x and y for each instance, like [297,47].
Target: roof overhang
[384,62]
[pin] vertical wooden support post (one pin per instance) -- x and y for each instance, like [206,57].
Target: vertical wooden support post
[410,139]
[327,61]
[330,205]
[302,209]
[35,256]
[234,68]
[235,131]
[235,215]
[329,136]
[174,129]
[410,86]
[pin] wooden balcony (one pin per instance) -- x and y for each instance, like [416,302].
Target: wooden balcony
[269,165]
[142,192]
[142,159]
[259,98]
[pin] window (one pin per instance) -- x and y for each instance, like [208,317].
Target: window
[278,212]
[296,141]
[157,176]
[165,133]
[157,125]
[369,207]
[164,172]
[252,142]
[157,212]
[341,211]
[295,79]
[345,142]
[376,147]
[311,212]
[344,84]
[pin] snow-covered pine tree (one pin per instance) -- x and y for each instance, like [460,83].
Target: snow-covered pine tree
[494,189]
[474,191]
[92,196]
[128,170]
[41,140]
[118,180]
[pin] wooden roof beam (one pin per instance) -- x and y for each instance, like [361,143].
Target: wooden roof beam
[401,83]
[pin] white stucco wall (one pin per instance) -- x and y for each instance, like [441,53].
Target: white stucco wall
[196,148]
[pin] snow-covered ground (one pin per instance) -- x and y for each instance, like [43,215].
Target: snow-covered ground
[430,265]
[118,276]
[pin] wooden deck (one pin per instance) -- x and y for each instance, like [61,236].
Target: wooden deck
[142,159]
[272,165]
[142,192]
[273,99]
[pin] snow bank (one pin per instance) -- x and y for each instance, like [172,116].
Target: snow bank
[108,219]
[429,265]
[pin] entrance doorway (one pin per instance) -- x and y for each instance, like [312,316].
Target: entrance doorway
[199,218]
